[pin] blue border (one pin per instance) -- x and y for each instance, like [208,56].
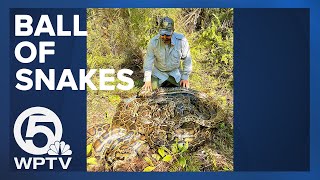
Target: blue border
[314,6]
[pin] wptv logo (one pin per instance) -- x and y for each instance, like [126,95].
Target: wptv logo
[54,153]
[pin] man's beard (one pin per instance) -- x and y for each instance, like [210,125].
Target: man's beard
[166,41]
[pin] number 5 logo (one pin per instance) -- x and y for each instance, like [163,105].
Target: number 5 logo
[36,115]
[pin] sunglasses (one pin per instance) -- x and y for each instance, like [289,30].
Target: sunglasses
[162,35]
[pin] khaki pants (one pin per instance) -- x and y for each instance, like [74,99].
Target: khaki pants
[168,83]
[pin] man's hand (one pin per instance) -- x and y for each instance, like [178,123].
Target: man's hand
[184,83]
[147,86]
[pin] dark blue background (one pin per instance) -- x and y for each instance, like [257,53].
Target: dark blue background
[271,89]
[70,106]
[314,89]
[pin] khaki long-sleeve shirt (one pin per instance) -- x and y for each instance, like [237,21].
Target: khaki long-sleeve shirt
[163,60]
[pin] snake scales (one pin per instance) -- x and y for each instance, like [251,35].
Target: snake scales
[160,118]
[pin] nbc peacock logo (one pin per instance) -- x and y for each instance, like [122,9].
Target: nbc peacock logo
[60,147]
[56,152]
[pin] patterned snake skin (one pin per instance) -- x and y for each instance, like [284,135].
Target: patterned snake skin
[160,118]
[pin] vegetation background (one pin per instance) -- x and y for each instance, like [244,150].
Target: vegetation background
[118,38]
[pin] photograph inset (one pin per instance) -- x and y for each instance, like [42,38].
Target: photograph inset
[165,101]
